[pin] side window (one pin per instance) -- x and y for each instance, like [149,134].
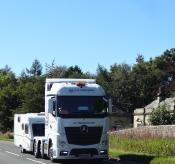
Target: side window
[54,103]
[26,129]
[22,126]
[19,119]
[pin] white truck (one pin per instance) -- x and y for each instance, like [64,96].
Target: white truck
[26,127]
[76,122]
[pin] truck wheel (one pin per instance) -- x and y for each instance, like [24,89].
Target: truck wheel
[22,150]
[42,150]
[35,151]
[51,153]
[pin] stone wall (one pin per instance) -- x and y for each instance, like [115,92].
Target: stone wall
[162,131]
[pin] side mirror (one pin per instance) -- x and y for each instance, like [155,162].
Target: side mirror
[50,106]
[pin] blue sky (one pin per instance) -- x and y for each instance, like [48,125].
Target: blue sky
[84,32]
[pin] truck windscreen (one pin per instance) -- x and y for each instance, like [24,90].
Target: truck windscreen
[87,105]
[38,129]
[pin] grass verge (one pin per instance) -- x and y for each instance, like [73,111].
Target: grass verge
[145,150]
[6,136]
[154,146]
[141,158]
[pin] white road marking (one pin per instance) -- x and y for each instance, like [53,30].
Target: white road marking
[12,153]
[35,161]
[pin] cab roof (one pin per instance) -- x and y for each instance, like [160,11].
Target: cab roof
[73,87]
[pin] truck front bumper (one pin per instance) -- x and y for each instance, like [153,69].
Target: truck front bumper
[80,153]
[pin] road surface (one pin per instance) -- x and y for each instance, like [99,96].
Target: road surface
[10,154]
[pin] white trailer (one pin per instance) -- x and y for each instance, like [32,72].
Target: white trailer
[26,127]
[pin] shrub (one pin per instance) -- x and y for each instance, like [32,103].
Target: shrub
[161,116]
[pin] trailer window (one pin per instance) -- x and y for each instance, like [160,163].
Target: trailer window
[19,119]
[22,126]
[26,129]
[38,129]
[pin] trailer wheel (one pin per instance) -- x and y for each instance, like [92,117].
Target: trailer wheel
[22,150]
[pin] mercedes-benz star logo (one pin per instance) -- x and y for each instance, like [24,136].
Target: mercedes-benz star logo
[84,129]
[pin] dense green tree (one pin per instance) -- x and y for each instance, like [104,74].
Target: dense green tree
[166,64]
[9,99]
[31,91]
[121,86]
[103,78]
[148,78]
[73,72]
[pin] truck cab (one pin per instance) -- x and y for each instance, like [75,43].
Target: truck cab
[76,122]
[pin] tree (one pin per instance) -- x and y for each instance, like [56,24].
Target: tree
[140,58]
[31,92]
[73,72]
[166,64]
[161,116]
[147,81]
[8,98]
[36,68]
[121,86]
[103,78]
[55,71]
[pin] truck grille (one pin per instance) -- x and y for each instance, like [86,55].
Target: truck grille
[77,137]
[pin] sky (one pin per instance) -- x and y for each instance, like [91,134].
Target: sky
[84,32]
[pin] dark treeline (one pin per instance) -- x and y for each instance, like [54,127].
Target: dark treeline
[128,86]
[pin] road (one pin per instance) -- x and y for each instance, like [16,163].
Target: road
[10,154]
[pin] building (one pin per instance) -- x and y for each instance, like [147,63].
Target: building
[141,115]
[118,119]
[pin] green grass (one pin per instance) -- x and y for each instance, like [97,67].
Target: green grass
[145,150]
[163,160]
[156,146]
[140,157]
[6,137]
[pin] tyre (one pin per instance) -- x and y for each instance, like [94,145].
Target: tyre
[22,150]
[36,150]
[51,153]
[42,150]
